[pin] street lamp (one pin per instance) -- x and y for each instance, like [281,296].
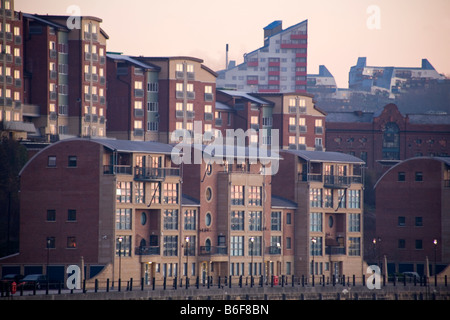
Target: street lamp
[187,258]
[120,239]
[435,273]
[313,240]
[252,241]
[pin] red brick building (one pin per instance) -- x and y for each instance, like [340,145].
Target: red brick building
[412,210]
[385,137]
[133,104]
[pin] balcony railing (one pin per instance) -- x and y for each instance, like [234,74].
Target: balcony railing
[213,250]
[152,174]
[116,169]
[331,181]
[147,251]
[334,250]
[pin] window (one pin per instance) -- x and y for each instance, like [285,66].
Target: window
[71,242]
[419,222]
[123,192]
[51,161]
[123,219]
[288,218]
[237,246]
[315,246]
[123,246]
[401,176]
[254,221]
[171,219]
[254,246]
[419,176]
[208,219]
[237,220]
[401,221]
[190,219]
[354,222]
[170,246]
[170,193]
[50,243]
[418,244]
[71,215]
[254,196]
[315,197]
[401,243]
[342,198]
[354,247]
[391,142]
[275,221]
[328,198]
[316,222]
[51,215]
[208,194]
[155,192]
[275,245]
[237,195]
[139,192]
[354,199]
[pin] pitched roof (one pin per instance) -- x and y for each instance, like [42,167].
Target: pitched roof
[135,146]
[280,202]
[326,156]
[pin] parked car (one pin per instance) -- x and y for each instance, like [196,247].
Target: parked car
[410,276]
[33,280]
[9,278]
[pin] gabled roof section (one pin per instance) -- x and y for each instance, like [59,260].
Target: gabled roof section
[120,57]
[134,146]
[280,202]
[247,96]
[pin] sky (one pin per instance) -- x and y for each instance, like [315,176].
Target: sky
[388,32]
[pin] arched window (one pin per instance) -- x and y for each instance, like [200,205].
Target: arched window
[391,142]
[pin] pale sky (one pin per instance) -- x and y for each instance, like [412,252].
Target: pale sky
[404,31]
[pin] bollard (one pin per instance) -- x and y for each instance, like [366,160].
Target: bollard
[107,285]
[142,284]
[218,283]
[96,286]
[229,283]
[164,283]
[131,284]
[153,283]
[363,279]
[119,285]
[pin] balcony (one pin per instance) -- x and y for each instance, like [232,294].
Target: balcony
[332,181]
[147,251]
[116,169]
[335,250]
[155,174]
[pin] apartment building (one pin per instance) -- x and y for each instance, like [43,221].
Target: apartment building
[300,123]
[12,108]
[328,189]
[132,95]
[243,230]
[66,76]
[186,93]
[392,80]
[109,200]
[280,65]
[412,216]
